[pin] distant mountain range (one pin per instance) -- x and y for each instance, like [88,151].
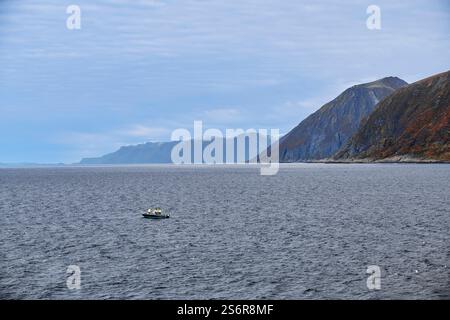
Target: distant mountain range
[160,152]
[385,119]
[411,124]
[150,152]
[325,131]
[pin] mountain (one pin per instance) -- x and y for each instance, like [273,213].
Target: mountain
[150,152]
[321,134]
[160,152]
[413,123]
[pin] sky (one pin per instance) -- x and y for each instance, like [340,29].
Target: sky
[137,70]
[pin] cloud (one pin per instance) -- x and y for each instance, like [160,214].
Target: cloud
[222,115]
[147,132]
[288,114]
[89,144]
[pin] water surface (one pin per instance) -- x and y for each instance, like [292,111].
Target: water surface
[308,232]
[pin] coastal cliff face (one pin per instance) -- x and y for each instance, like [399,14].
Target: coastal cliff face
[412,123]
[150,152]
[160,152]
[324,132]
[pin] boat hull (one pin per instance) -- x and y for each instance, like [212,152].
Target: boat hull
[153,216]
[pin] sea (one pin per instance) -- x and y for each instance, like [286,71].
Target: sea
[312,231]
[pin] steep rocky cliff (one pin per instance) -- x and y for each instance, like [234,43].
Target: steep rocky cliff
[412,123]
[322,134]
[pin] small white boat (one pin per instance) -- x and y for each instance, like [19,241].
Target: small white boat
[155,214]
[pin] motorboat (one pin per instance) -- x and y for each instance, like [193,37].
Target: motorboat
[155,214]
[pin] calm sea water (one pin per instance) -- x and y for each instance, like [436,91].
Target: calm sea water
[309,232]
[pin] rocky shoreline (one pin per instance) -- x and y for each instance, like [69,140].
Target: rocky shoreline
[396,159]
